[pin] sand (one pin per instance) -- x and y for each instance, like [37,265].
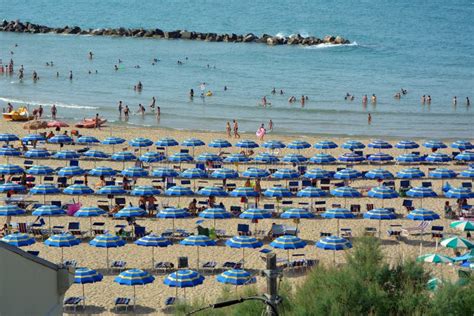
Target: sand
[151,297]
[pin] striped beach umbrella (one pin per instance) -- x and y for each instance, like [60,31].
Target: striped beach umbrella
[311,192]
[208,157]
[214,213]
[180,157]
[134,277]
[9,152]
[459,193]
[407,144]
[408,158]
[244,192]
[422,214]
[273,144]
[48,210]
[130,211]
[197,241]
[322,159]
[463,225]
[111,190]
[285,173]
[95,154]
[87,140]
[347,174]
[107,241]
[383,193]
[468,173]
[39,170]
[7,137]
[465,156]
[44,189]
[434,144]
[78,189]
[338,214]
[102,172]
[353,144]
[178,190]
[434,258]
[11,186]
[379,174]
[10,169]
[421,192]
[173,213]
[247,144]
[443,173]
[379,144]
[37,153]
[234,277]
[86,276]
[145,190]
[255,214]
[288,243]
[193,173]
[151,157]
[183,279]
[277,192]
[236,158]
[456,242]
[224,173]
[219,143]
[18,240]
[192,142]
[266,158]
[298,145]
[123,156]
[11,210]
[71,171]
[350,158]
[334,243]
[410,173]
[294,158]
[380,214]
[379,157]
[256,173]
[134,172]
[113,141]
[140,142]
[462,145]
[325,144]
[60,139]
[437,158]
[242,242]
[90,211]
[296,213]
[166,142]
[345,192]
[61,241]
[165,172]
[317,173]
[212,191]
[66,155]
[152,241]
[33,138]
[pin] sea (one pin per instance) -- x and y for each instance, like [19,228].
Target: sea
[423,47]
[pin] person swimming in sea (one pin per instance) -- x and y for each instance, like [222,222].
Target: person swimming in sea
[191,94]
[91,55]
[373,99]
[141,109]
[468,102]
[70,75]
[455,101]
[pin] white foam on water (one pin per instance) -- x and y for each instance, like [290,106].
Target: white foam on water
[58,104]
[325,45]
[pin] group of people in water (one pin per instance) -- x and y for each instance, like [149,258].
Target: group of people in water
[125,110]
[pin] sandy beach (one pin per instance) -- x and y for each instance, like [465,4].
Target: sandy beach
[151,297]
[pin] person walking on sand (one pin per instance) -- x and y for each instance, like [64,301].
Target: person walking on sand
[236,129]
[369,119]
[228,129]
[54,111]
[270,125]
[96,121]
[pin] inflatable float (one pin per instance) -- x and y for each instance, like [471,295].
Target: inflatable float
[90,123]
[21,114]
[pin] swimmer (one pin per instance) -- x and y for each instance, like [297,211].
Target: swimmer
[191,94]
[468,102]
[120,107]
[153,101]
[455,101]
[126,112]
[428,99]
[273,90]
[115,67]
[423,99]
[141,109]
[225,88]
[70,74]
[281,92]
[369,119]
[158,112]
[57,74]
[374,99]
[270,125]
[302,101]
[397,96]
[54,111]
[91,55]
[35,75]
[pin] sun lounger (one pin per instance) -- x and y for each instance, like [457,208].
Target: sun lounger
[370,231]
[324,234]
[39,233]
[123,302]
[164,266]
[72,302]
[70,263]
[417,230]
[277,230]
[232,265]
[346,232]
[118,265]
[394,231]
[33,252]
[243,230]
[210,266]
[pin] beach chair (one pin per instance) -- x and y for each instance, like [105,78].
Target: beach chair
[346,232]
[70,263]
[320,210]
[243,230]
[164,266]
[355,208]
[408,204]
[48,179]
[33,252]
[290,230]
[232,265]
[72,302]
[294,186]
[467,185]
[277,230]
[61,182]
[120,201]
[210,266]
[203,231]
[22,228]
[139,232]
[324,234]
[122,303]
[417,230]
[426,184]
[28,163]
[437,232]
[39,233]
[98,228]
[231,187]
[369,207]
[74,229]
[395,231]
[370,231]
[118,265]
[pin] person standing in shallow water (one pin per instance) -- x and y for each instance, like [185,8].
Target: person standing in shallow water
[369,119]
[270,125]
[54,111]
[120,107]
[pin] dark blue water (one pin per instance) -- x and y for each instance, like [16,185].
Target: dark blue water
[426,48]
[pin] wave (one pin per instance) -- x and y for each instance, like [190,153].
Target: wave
[324,45]
[58,104]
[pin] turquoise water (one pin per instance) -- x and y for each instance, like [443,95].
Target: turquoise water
[425,48]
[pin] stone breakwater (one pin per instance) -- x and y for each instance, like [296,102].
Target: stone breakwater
[296,39]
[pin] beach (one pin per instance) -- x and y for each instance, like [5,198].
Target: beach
[151,297]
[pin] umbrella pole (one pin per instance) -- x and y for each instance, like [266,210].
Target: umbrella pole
[62,254]
[243,257]
[83,297]
[380,226]
[337,231]
[334,256]
[288,255]
[197,257]
[134,298]
[152,257]
[49,220]
[107,257]
[90,226]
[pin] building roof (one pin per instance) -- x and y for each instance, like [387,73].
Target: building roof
[29,256]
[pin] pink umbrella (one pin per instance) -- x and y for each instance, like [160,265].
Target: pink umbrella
[57,124]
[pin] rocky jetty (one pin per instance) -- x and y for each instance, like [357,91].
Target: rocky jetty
[296,39]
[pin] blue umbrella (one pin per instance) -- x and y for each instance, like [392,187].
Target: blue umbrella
[165,172]
[130,211]
[10,186]
[350,158]
[96,154]
[10,169]
[410,173]
[134,172]
[60,139]
[294,158]
[33,138]
[214,213]
[380,157]
[140,142]
[66,155]
[113,141]
[459,193]
[256,173]
[334,243]
[242,242]
[225,173]
[246,144]
[102,171]
[193,173]
[421,192]
[145,190]
[234,277]
[183,279]
[380,214]
[325,144]
[244,192]
[462,145]
[409,158]
[179,191]
[11,210]
[285,173]
[37,153]
[443,173]
[338,213]
[379,174]
[317,173]
[437,158]
[322,159]
[212,191]
[18,239]
[345,192]
[123,156]
[288,243]
[193,142]
[9,152]
[297,213]
[85,276]
[465,156]
[173,213]
[90,212]
[406,144]
[273,144]
[353,144]
[219,143]
[150,157]
[39,170]
[107,241]
[208,157]
[78,189]
[255,214]
[44,189]
[198,241]
[383,193]
[71,171]
[235,158]
[311,192]
[87,140]
[347,173]
[422,214]
[277,192]
[153,241]
[48,210]
[61,241]
[434,144]
[6,137]
[180,157]
[468,173]
[167,142]
[379,144]
[111,190]
[134,277]
[266,158]
[298,144]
